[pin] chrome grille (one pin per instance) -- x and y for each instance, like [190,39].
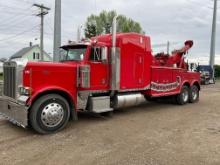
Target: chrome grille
[10,79]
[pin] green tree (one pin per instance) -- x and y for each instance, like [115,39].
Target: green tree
[217,71]
[101,24]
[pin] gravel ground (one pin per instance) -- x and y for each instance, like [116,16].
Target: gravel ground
[151,134]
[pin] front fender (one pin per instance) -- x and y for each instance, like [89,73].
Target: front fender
[52,89]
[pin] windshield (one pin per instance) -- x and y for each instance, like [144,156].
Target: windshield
[73,54]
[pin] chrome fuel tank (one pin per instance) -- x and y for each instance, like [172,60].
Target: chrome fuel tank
[128,100]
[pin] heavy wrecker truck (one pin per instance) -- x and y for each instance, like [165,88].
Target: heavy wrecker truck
[101,75]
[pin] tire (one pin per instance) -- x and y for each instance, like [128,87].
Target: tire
[194,94]
[183,97]
[49,114]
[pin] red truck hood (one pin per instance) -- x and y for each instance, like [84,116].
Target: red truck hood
[41,76]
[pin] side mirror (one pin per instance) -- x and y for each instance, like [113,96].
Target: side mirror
[104,54]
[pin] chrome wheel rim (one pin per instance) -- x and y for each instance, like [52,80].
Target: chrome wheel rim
[194,94]
[185,95]
[52,115]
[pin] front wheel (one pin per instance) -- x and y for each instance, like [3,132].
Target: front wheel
[194,94]
[49,114]
[183,97]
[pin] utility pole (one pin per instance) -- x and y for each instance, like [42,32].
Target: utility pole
[168,47]
[57,30]
[43,12]
[213,39]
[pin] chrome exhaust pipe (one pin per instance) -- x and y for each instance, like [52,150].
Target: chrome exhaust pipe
[114,31]
[115,61]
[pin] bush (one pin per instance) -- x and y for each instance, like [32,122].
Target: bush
[1,76]
[217,71]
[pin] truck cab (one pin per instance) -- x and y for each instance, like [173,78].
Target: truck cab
[95,58]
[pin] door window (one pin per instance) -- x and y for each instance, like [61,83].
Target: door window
[98,54]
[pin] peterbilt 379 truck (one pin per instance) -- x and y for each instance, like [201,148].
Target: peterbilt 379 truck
[108,72]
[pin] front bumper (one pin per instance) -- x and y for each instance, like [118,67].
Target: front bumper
[15,112]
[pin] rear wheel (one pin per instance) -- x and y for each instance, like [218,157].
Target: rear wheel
[49,114]
[194,94]
[183,97]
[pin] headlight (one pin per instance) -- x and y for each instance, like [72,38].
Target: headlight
[25,91]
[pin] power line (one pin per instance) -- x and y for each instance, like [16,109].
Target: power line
[10,20]
[29,34]
[16,13]
[23,1]
[19,34]
[13,18]
[49,25]
[17,41]
[14,23]
[15,8]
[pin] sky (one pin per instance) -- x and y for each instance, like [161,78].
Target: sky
[163,20]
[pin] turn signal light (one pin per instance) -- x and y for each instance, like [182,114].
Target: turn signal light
[25,91]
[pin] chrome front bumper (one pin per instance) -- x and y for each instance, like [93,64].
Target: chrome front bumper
[15,112]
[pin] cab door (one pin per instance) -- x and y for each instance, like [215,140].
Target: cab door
[99,68]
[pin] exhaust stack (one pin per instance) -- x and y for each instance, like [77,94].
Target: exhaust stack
[114,31]
[115,59]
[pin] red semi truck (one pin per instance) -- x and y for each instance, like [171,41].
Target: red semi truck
[106,73]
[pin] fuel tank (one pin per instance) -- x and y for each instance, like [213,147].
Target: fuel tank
[128,100]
